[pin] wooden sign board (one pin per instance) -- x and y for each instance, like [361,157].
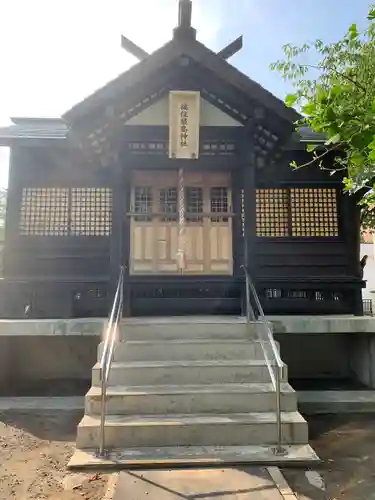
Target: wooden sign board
[184,123]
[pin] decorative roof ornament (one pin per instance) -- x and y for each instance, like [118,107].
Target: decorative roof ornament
[184,28]
[185,10]
[184,31]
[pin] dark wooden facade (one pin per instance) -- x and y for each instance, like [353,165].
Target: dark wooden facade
[284,221]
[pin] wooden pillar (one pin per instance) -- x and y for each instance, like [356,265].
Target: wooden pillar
[350,227]
[10,303]
[248,185]
[237,235]
[117,257]
[13,206]
[249,200]
[126,193]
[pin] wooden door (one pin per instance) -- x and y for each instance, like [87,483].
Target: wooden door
[155,224]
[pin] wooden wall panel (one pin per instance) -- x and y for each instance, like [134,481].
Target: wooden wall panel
[59,257]
[301,258]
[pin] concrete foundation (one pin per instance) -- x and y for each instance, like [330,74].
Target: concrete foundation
[362,359]
[5,361]
[39,358]
[312,347]
[318,355]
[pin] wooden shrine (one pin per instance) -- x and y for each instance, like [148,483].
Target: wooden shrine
[179,170]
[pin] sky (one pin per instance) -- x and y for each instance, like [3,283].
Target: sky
[54,53]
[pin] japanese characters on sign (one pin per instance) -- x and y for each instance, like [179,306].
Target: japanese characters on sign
[184,121]
[184,125]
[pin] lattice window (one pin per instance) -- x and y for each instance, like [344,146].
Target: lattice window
[143,203]
[272,212]
[168,204]
[44,212]
[194,204]
[91,212]
[219,203]
[314,212]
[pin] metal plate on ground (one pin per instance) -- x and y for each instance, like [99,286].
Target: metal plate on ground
[235,483]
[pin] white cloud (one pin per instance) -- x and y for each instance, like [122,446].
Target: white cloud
[55,53]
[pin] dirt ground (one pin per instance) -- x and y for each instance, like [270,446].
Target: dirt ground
[346,444]
[34,452]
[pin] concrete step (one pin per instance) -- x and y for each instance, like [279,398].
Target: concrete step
[185,350]
[210,327]
[179,456]
[232,429]
[188,399]
[186,372]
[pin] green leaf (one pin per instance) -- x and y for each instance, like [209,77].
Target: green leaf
[373,106]
[348,183]
[353,32]
[357,159]
[321,94]
[311,147]
[336,90]
[309,108]
[291,99]
[335,139]
[371,14]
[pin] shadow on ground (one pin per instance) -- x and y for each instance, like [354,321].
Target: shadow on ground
[346,444]
[46,388]
[251,483]
[47,426]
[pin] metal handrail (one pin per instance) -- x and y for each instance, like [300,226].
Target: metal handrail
[107,356]
[275,366]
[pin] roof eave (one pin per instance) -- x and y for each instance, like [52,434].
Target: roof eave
[124,81]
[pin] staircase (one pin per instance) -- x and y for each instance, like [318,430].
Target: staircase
[190,390]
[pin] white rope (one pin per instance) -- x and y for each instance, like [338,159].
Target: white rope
[181,252]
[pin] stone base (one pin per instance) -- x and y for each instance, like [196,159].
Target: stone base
[296,456]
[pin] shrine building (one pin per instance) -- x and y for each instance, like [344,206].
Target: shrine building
[179,170]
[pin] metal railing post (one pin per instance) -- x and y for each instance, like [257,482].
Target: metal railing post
[279,450]
[107,355]
[276,377]
[102,413]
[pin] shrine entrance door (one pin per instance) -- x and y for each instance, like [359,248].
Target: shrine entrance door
[156,224]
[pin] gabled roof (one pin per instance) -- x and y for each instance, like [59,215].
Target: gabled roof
[173,51]
[33,128]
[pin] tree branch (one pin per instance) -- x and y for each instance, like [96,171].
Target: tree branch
[346,77]
[318,158]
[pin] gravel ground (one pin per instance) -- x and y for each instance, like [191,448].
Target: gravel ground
[34,451]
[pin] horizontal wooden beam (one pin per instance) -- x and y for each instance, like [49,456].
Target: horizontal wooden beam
[162,162]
